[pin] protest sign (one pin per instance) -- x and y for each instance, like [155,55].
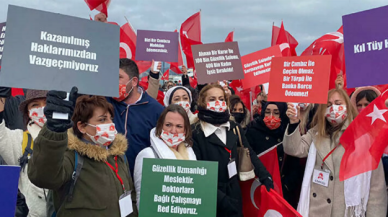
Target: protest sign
[157,45]
[178,188]
[49,51]
[9,180]
[217,62]
[2,36]
[366,47]
[303,79]
[257,66]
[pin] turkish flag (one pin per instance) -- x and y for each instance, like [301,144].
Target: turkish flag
[230,37]
[365,139]
[269,158]
[128,47]
[286,41]
[273,205]
[166,75]
[175,66]
[100,5]
[190,34]
[251,196]
[193,81]
[237,86]
[330,44]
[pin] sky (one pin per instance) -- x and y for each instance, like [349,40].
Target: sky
[251,20]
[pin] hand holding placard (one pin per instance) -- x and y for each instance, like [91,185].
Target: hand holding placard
[56,102]
[156,66]
[293,114]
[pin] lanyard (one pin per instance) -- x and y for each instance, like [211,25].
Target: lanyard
[116,170]
[331,152]
[230,153]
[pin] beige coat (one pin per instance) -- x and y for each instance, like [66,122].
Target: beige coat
[330,201]
[153,87]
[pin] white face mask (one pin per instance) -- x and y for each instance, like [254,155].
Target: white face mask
[172,140]
[186,105]
[303,106]
[336,114]
[37,116]
[217,106]
[105,134]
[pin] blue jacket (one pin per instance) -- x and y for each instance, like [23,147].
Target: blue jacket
[142,118]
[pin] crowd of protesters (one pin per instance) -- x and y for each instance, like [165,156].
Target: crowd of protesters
[83,165]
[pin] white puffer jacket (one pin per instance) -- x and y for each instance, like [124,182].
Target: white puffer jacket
[11,142]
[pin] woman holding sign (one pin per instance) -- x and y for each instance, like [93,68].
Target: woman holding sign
[85,166]
[170,139]
[215,140]
[323,194]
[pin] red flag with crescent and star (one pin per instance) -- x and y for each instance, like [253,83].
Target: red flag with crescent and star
[250,189]
[365,139]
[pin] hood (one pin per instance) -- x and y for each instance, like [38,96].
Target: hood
[95,152]
[358,90]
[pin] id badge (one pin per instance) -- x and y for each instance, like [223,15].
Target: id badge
[232,168]
[321,177]
[125,203]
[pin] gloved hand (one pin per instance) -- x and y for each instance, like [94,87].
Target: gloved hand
[55,103]
[268,183]
[5,92]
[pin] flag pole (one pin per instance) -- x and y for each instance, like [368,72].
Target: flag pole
[130,24]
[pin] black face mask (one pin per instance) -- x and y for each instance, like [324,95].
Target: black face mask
[239,117]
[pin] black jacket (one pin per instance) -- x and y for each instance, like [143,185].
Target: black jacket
[229,200]
[261,138]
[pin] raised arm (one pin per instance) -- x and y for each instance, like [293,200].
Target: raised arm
[49,166]
[153,81]
[10,140]
[294,143]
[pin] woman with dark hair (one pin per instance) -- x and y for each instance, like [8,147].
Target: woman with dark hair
[363,96]
[103,182]
[181,96]
[170,139]
[239,113]
[214,140]
[16,146]
[266,131]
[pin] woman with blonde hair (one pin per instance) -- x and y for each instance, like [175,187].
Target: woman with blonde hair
[323,194]
[214,140]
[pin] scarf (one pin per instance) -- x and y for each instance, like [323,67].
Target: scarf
[181,152]
[356,189]
[212,117]
[165,152]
